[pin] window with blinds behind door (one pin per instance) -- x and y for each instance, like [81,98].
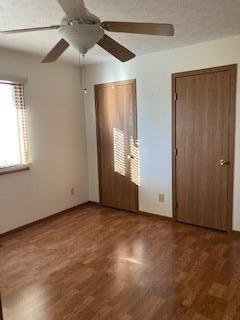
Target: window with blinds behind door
[14,150]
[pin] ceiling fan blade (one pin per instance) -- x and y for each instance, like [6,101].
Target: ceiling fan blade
[76,9]
[160,29]
[56,52]
[30,30]
[116,49]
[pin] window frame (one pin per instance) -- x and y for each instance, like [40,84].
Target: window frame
[21,166]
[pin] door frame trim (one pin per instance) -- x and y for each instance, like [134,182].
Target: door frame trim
[108,84]
[233,69]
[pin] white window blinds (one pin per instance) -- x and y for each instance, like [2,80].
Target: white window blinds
[13,125]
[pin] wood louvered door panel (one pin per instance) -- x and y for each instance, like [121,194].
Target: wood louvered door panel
[203,127]
[117,145]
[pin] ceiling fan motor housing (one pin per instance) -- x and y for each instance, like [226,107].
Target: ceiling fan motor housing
[82,36]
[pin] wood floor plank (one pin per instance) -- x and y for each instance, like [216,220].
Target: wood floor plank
[101,263]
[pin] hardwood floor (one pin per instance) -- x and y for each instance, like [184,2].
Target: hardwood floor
[99,263]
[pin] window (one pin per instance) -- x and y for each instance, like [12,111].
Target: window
[13,126]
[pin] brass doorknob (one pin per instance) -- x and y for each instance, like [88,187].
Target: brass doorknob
[224,162]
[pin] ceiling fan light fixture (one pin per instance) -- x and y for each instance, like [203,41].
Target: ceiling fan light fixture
[81,35]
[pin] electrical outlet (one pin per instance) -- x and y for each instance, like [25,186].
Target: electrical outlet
[161,197]
[72,191]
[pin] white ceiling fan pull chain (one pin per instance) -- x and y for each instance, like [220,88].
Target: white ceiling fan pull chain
[82,74]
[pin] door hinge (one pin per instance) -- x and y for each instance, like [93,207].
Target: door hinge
[175,96]
[176,205]
[176,151]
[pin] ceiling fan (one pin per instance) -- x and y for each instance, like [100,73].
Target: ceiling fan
[83,30]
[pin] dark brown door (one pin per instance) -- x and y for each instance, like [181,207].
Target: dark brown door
[117,144]
[204,112]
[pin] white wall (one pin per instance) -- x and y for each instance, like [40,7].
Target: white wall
[57,143]
[153,74]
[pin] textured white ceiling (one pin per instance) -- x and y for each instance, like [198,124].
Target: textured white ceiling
[194,21]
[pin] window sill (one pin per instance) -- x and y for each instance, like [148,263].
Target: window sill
[14,169]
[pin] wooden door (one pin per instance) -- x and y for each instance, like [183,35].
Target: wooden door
[203,111]
[117,144]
